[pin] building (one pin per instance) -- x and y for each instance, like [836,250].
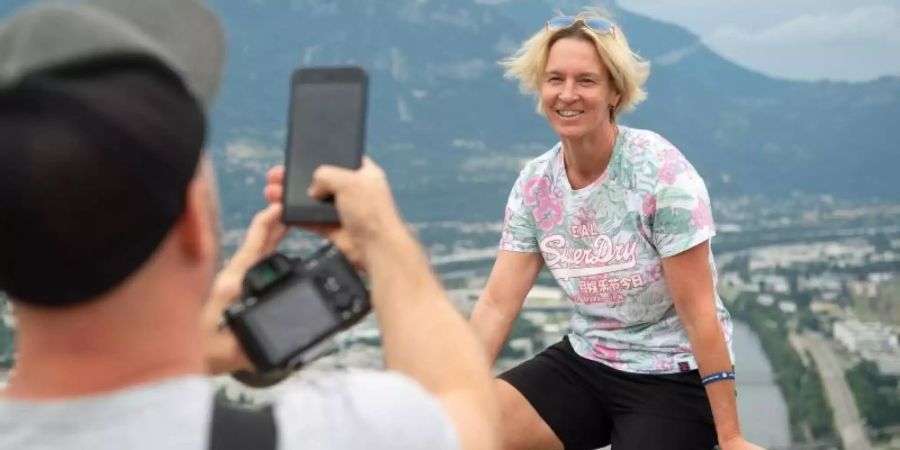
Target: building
[865,338]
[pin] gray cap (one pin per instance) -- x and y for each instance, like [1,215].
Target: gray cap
[183,34]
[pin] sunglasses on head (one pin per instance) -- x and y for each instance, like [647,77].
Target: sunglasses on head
[598,24]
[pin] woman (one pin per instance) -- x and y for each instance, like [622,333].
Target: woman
[623,222]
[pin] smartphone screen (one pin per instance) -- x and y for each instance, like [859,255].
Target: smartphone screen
[327,126]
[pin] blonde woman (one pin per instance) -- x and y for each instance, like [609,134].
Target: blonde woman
[623,222]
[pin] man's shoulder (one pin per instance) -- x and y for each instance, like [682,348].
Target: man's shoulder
[170,413]
[331,380]
[382,408]
[355,385]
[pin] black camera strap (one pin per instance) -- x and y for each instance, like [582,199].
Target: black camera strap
[237,428]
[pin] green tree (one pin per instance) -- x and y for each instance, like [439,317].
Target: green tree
[876,395]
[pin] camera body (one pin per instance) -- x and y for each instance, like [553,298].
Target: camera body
[289,306]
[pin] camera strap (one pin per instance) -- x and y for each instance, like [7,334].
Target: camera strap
[238,428]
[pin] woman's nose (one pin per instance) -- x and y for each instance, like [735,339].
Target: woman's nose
[568,93]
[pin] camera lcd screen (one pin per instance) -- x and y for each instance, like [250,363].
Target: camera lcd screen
[325,129]
[291,320]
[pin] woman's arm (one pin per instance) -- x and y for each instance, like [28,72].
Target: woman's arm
[689,279]
[511,278]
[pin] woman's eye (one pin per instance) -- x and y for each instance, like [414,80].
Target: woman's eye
[586,81]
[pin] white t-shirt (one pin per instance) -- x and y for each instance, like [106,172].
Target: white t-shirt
[605,243]
[371,410]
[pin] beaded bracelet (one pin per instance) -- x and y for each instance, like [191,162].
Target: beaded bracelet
[718,376]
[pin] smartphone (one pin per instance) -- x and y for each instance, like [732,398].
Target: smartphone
[327,121]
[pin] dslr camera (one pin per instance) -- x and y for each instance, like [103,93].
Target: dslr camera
[289,307]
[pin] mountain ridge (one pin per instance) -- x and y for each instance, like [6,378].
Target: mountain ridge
[451,131]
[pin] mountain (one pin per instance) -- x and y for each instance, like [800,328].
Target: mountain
[452,132]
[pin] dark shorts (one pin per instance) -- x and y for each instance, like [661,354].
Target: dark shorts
[590,405]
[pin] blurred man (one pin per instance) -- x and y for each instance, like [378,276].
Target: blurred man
[108,248]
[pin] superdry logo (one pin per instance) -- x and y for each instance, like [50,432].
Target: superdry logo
[604,256]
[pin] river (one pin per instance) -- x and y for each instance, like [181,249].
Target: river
[762,409]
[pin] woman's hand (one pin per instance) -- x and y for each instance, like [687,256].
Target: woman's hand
[224,353]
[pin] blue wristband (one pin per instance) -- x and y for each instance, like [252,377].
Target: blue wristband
[718,376]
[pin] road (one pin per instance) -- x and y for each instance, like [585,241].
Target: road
[846,415]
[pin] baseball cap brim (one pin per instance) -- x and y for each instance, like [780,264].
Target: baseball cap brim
[185,35]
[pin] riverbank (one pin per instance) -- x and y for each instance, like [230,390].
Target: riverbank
[809,412]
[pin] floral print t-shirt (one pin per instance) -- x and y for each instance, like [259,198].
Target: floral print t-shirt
[605,243]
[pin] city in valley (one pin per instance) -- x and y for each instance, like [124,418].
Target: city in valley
[816,279]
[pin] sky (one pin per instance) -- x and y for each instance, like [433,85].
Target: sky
[853,40]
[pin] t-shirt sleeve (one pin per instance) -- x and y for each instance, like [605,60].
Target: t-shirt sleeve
[518,233]
[362,409]
[682,216]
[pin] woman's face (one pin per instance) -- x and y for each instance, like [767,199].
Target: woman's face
[576,91]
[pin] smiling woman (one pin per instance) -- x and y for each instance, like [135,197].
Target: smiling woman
[623,222]
[624,68]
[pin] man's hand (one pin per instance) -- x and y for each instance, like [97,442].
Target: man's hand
[224,353]
[409,301]
[738,443]
[363,201]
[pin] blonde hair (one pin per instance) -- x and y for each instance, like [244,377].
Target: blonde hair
[627,70]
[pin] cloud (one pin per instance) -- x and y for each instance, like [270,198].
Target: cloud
[675,56]
[857,45]
[800,39]
[862,24]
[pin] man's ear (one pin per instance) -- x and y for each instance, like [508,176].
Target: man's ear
[195,235]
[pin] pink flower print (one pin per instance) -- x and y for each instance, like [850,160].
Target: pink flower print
[535,189]
[668,172]
[655,272]
[605,353]
[548,214]
[684,348]
[649,206]
[701,216]
[549,211]
[585,217]
[670,155]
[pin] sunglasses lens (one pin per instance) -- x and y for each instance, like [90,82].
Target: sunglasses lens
[560,22]
[599,25]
